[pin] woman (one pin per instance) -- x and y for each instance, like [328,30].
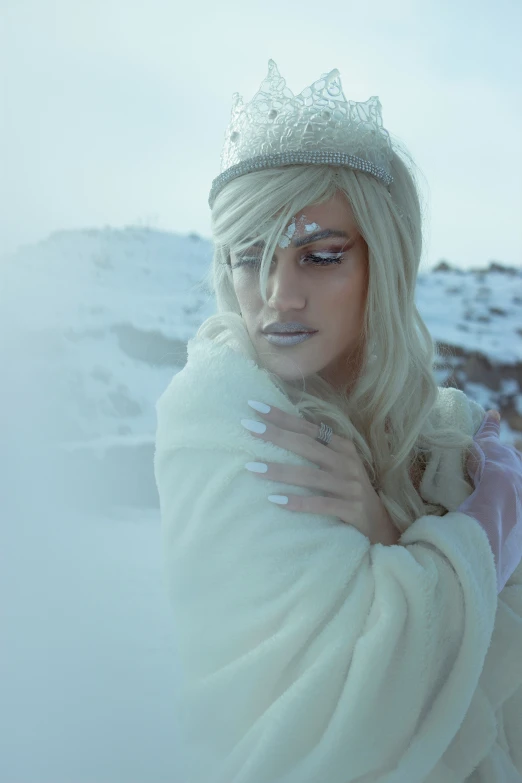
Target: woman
[360,626]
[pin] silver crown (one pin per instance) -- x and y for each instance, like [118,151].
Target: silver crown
[318,126]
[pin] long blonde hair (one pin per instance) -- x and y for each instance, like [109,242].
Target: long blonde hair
[385,410]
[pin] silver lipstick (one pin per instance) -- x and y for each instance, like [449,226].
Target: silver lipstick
[288,339]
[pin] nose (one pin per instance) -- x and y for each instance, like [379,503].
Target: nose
[285,287]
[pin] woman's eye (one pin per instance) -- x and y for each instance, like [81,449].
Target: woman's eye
[317,259]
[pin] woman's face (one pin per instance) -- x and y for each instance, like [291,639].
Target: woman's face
[326,293]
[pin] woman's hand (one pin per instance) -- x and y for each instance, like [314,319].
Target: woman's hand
[340,475]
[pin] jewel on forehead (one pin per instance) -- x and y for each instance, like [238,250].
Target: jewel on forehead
[290,231]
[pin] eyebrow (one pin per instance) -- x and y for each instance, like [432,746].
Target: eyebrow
[314,237]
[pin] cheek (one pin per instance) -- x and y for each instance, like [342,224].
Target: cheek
[248,302]
[239,289]
[348,299]
[346,292]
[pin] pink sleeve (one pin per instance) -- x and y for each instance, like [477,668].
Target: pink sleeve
[496,502]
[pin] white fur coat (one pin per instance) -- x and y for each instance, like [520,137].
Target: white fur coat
[308,655]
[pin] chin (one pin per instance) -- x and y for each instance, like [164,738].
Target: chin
[289,368]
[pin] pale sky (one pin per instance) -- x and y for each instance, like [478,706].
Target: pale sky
[114,113]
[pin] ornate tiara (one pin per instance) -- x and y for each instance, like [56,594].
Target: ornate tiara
[317,126]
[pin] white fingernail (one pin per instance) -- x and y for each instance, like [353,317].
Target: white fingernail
[260,407]
[282,500]
[254,426]
[256,467]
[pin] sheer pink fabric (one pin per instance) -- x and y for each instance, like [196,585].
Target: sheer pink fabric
[496,504]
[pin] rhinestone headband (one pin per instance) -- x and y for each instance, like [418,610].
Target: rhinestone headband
[318,126]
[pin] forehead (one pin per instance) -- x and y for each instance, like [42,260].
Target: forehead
[335,213]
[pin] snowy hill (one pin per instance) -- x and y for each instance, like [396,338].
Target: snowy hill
[95,323]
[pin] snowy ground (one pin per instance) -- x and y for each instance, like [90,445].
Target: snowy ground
[87,661]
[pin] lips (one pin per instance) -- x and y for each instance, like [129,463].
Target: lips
[279,334]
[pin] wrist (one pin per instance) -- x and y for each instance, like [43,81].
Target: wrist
[385,532]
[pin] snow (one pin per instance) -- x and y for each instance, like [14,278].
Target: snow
[88,662]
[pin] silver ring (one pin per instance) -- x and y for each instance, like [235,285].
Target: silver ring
[325,434]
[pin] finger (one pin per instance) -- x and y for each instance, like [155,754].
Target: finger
[292,423]
[307,476]
[338,463]
[317,504]
[286,421]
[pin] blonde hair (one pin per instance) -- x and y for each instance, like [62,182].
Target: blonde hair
[385,409]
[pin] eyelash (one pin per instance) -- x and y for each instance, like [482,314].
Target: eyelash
[335,258]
